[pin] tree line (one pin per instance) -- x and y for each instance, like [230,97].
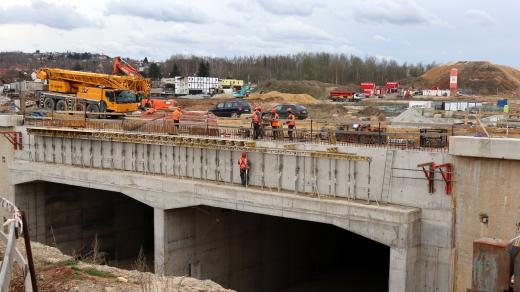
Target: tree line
[325,67]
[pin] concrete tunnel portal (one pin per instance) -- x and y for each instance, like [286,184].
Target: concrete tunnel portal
[75,219]
[239,250]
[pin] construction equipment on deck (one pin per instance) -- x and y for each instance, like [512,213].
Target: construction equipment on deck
[148,102]
[92,92]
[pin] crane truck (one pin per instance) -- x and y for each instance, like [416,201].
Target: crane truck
[93,92]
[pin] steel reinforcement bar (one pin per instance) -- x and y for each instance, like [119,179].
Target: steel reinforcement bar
[430,141]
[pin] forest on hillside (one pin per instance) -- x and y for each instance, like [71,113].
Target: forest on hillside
[325,67]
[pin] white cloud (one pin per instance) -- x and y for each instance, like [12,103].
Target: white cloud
[290,7]
[415,30]
[380,38]
[168,11]
[45,13]
[398,12]
[289,29]
[480,17]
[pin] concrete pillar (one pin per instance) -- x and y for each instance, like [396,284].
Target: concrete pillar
[402,264]
[160,240]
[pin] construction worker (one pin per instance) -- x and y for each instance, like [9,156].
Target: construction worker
[275,123]
[177,113]
[257,122]
[244,169]
[291,123]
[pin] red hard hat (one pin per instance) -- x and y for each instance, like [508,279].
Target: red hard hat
[244,154]
[273,110]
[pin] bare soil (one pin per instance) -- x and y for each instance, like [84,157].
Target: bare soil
[58,272]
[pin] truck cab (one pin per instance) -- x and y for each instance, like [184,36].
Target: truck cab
[110,100]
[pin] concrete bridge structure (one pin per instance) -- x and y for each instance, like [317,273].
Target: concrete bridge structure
[308,207]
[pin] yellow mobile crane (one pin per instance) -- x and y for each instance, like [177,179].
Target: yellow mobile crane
[76,90]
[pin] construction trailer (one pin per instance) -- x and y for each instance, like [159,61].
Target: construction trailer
[392,87]
[190,85]
[368,88]
[436,92]
[461,105]
[381,91]
[231,83]
[202,85]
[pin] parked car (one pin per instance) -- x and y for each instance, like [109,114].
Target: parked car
[232,108]
[299,111]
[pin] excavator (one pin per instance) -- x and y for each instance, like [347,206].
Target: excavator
[92,92]
[148,102]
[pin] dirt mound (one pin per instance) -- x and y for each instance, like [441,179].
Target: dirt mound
[313,88]
[278,97]
[481,78]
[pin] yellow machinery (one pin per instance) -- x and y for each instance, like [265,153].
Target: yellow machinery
[76,90]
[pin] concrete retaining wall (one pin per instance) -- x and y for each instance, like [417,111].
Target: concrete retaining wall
[488,185]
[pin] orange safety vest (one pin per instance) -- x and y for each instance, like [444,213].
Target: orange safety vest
[274,120]
[243,163]
[177,115]
[256,117]
[292,120]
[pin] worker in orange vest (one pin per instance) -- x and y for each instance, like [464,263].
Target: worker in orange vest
[257,122]
[177,113]
[275,123]
[291,123]
[244,169]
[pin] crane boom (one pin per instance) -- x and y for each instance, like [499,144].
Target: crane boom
[127,69]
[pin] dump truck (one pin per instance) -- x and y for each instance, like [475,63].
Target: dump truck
[341,94]
[70,90]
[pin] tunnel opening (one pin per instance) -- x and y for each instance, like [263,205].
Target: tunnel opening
[106,227]
[251,252]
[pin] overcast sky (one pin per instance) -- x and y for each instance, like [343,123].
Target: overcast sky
[405,30]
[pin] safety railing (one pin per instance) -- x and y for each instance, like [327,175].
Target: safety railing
[16,225]
[429,140]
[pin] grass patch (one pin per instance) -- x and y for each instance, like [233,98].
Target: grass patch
[73,264]
[97,273]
